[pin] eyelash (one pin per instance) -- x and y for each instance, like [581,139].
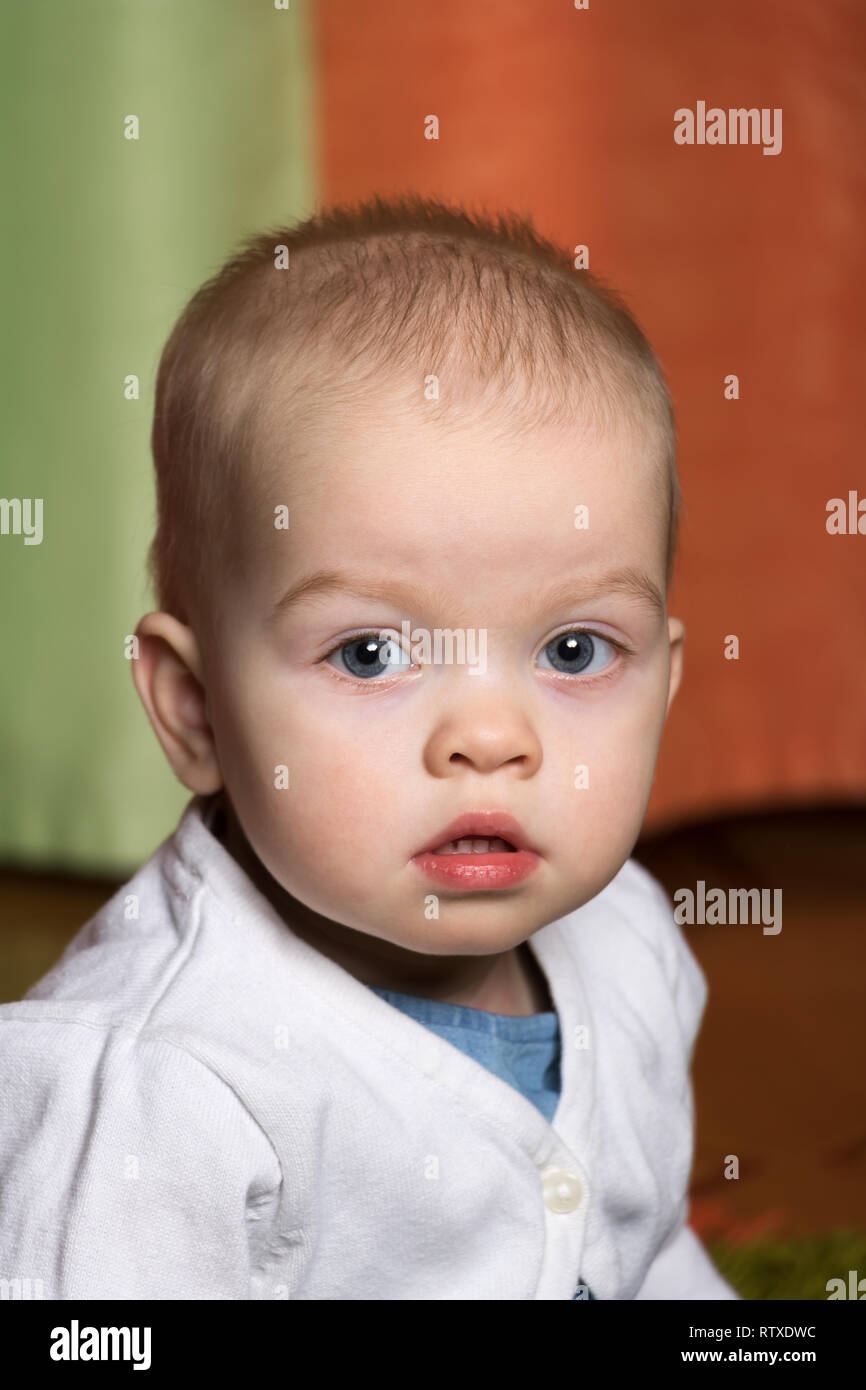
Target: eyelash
[344,677]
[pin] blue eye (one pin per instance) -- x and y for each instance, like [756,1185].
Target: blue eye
[579,653]
[368,655]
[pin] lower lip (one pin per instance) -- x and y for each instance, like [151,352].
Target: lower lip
[474,872]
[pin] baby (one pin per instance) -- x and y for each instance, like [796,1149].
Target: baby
[391,1014]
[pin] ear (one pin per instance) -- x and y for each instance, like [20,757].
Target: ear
[169,679]
[676,634]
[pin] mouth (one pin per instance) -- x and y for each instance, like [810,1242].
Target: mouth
[476,846]
[480,832]
[479,850]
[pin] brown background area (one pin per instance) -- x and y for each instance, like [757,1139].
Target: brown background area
[778,1070]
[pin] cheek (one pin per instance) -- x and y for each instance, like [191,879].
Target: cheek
[342,786]
[615,737]
[618,729]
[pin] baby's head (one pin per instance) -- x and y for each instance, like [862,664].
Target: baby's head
[395,420]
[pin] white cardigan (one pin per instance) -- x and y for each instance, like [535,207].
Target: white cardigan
[195,1103]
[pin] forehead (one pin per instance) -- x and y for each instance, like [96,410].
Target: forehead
[466,500]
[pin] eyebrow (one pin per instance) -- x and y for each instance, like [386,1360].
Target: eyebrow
[630,582]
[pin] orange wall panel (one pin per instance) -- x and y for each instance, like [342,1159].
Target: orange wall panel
[732,260]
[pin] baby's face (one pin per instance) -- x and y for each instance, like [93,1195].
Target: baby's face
[554,717]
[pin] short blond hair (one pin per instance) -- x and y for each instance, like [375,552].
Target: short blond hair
[385,289]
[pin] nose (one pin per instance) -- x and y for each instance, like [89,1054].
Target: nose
[483,735]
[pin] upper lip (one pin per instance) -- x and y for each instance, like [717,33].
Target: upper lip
[480,825]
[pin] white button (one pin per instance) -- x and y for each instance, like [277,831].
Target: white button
[562,1190]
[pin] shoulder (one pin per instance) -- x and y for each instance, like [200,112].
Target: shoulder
[633,904]
[639,896]
[630,926]
[118,1039]
[124,964]
[118,1026]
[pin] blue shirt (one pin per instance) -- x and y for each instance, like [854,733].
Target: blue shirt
[523,1051]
